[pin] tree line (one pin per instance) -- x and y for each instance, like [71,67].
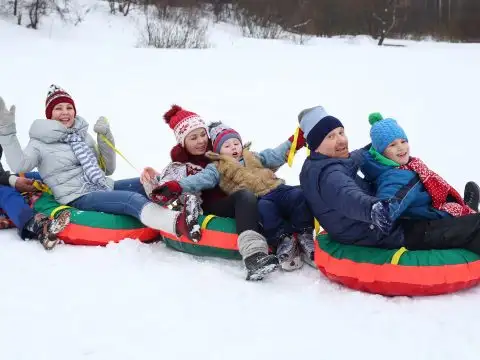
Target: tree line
[451,20]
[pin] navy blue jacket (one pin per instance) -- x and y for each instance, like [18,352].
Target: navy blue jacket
[409,197]
[342,201]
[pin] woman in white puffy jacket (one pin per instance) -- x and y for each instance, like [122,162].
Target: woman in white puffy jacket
[68,162]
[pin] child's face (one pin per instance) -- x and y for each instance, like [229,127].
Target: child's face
[64,113]
[398,151]
[232,147]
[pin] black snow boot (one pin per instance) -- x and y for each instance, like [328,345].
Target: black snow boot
[471,195]
[45,230]
[260,264]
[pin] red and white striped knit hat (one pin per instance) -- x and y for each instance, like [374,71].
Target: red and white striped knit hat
[57,95]
[183,122]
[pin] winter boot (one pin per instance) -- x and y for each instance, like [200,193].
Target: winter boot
[5,223]
[173,222]
[45,230]
[306,259]
[254,250]
[260,264]
[187,224]
[288,253]
[471,195]
[305,240]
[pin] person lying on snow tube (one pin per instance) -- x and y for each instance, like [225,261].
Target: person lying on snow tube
[30,224]
[188,158]
[345,204]
[68,163]
[387,164]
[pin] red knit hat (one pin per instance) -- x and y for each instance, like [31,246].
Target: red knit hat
[183,122]
[57,95]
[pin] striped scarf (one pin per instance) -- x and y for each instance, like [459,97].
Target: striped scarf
[94,177]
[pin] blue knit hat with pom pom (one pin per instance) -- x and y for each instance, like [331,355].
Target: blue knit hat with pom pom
[384,131]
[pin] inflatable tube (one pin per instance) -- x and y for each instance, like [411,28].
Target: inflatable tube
[219,239]
[95,228]
[397,272]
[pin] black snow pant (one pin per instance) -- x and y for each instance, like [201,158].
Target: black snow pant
[242,206]
[447,233]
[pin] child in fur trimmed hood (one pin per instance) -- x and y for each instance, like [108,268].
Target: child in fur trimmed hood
[282,208]
[411,189]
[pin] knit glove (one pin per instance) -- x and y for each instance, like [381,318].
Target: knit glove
[106,144]
[102,127]
[7,119]
[380,215]
[166,193]
[300,140]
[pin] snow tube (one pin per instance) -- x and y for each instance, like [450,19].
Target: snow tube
[95,228]
[219,239]
[397,272]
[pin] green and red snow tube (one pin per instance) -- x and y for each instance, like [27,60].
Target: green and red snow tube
[397,272]
[95,228]
[388,272]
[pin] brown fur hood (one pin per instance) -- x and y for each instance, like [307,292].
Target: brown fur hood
[251,175]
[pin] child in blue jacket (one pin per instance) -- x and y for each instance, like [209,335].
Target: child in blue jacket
[282,208]
[411,188]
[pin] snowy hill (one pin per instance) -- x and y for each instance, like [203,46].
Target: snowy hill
[137,301]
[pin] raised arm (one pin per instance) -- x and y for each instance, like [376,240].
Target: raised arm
[276,157]
[17,159]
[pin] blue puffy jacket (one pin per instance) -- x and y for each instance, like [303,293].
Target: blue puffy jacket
[342,201]
[409,198]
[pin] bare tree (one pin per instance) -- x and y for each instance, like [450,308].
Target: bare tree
[300,37]
[171,27]
[387,20]
[113,7]
[258,19]
[124,6]
[36,9]
[15,7]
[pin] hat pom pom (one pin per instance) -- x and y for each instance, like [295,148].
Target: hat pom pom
[374,118]
[214,124]
[171,113]
[53,89]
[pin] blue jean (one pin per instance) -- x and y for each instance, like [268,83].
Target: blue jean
[14,205]
[284,210]
[132,184]
[127,198]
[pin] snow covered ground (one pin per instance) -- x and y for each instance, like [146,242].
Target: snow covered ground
[137,301]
